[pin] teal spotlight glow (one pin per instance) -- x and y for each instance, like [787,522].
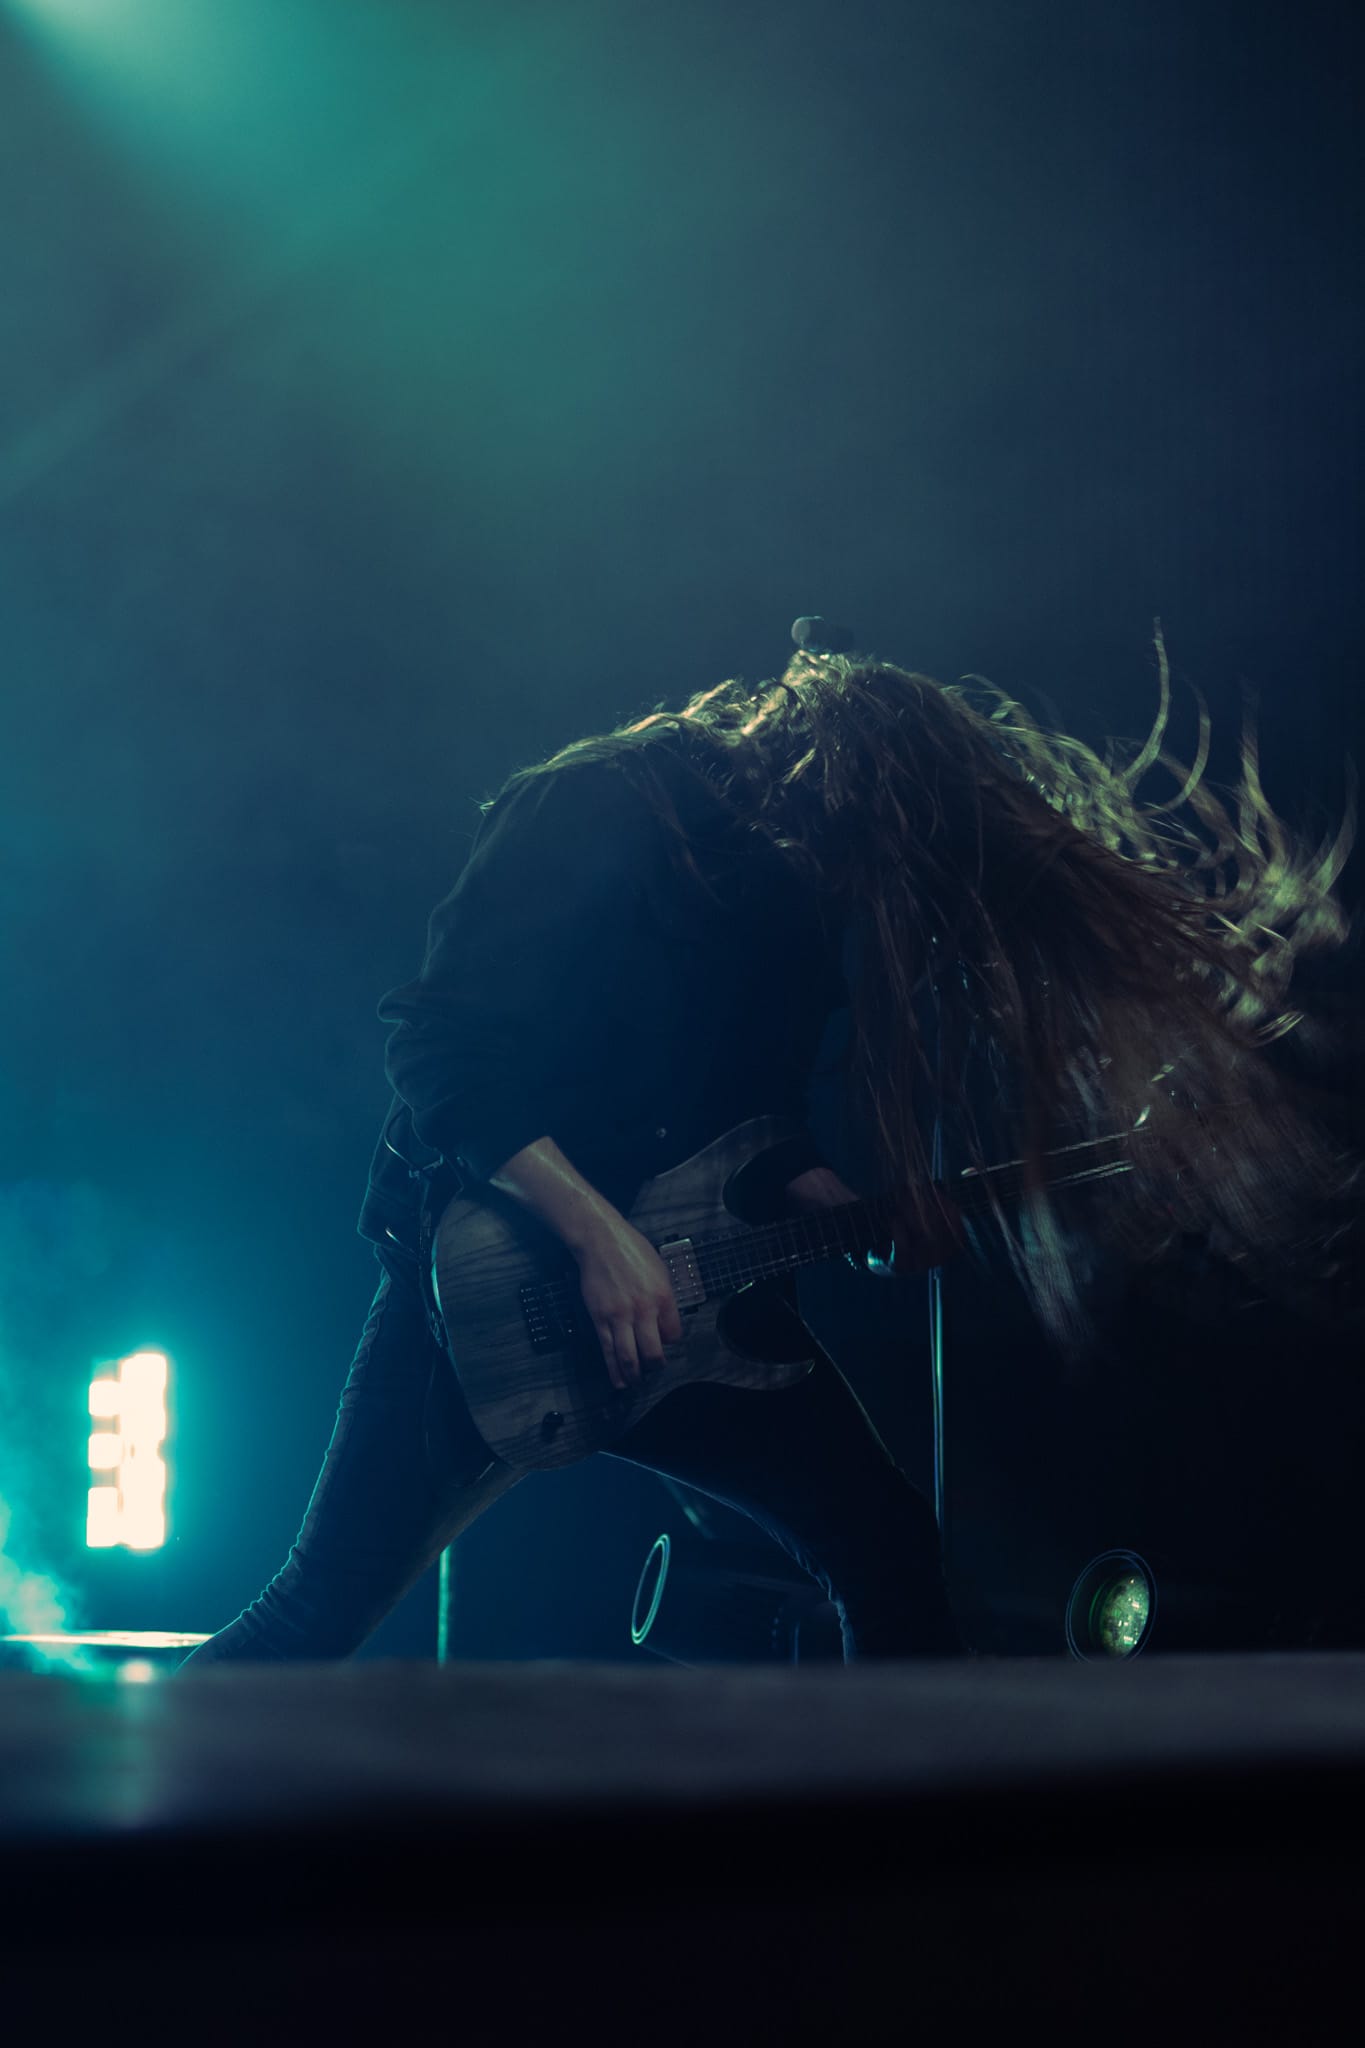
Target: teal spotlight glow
[1112,1607]
[96,11]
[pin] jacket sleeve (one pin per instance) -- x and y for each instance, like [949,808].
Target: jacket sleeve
[540,917]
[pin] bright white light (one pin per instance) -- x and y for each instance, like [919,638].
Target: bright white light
[144,1426]
[101,1517]
[146,1371]
[142,1528]
[132,1510]
[112,1638]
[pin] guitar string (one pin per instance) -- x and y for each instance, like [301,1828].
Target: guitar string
[736,1258]
[731,1268]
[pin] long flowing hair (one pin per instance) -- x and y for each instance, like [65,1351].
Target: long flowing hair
[1124,966]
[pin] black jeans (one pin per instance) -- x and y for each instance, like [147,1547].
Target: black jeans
[405,1465]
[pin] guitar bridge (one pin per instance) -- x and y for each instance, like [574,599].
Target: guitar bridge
[551,1324]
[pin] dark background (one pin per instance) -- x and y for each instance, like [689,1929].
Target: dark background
[391,393]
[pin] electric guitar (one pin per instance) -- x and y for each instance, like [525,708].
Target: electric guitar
[526,1354]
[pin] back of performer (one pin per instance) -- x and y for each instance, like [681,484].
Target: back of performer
[643,951]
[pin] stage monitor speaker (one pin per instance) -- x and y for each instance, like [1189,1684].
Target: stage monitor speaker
[702,1602]
[1195,1487]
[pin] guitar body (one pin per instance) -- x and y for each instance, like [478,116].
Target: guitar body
[529,1362]
[527,1358]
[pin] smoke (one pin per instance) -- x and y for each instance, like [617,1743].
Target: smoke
[57,1244]
[32,1603]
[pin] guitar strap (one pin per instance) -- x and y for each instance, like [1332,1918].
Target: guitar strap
[438,1183]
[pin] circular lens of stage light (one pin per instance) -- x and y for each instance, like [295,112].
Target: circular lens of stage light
[1112,1607]
[1121,1610]
[651,1578]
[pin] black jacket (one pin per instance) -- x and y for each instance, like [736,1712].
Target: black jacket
[577,986]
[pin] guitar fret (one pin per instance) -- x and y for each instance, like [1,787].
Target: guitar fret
[734,1259]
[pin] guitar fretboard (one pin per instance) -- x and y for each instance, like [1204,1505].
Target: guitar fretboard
[731,1259]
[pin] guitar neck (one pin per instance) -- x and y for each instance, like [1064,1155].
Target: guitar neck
[737,1258]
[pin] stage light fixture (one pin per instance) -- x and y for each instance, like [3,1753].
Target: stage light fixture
[656,1570]
[129,1508]
[1112,1607]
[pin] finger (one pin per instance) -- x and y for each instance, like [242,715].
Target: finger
[651,1345]
[608,1344]
[627,1358]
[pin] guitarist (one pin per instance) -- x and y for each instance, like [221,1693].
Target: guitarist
[643,950]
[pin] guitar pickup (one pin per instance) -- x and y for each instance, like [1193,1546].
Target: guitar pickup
[689,1290]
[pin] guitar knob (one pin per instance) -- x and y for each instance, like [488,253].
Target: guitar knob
[550,1424]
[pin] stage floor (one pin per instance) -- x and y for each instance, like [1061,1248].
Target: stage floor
[722,1849]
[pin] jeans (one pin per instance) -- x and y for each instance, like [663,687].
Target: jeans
[406,1471]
